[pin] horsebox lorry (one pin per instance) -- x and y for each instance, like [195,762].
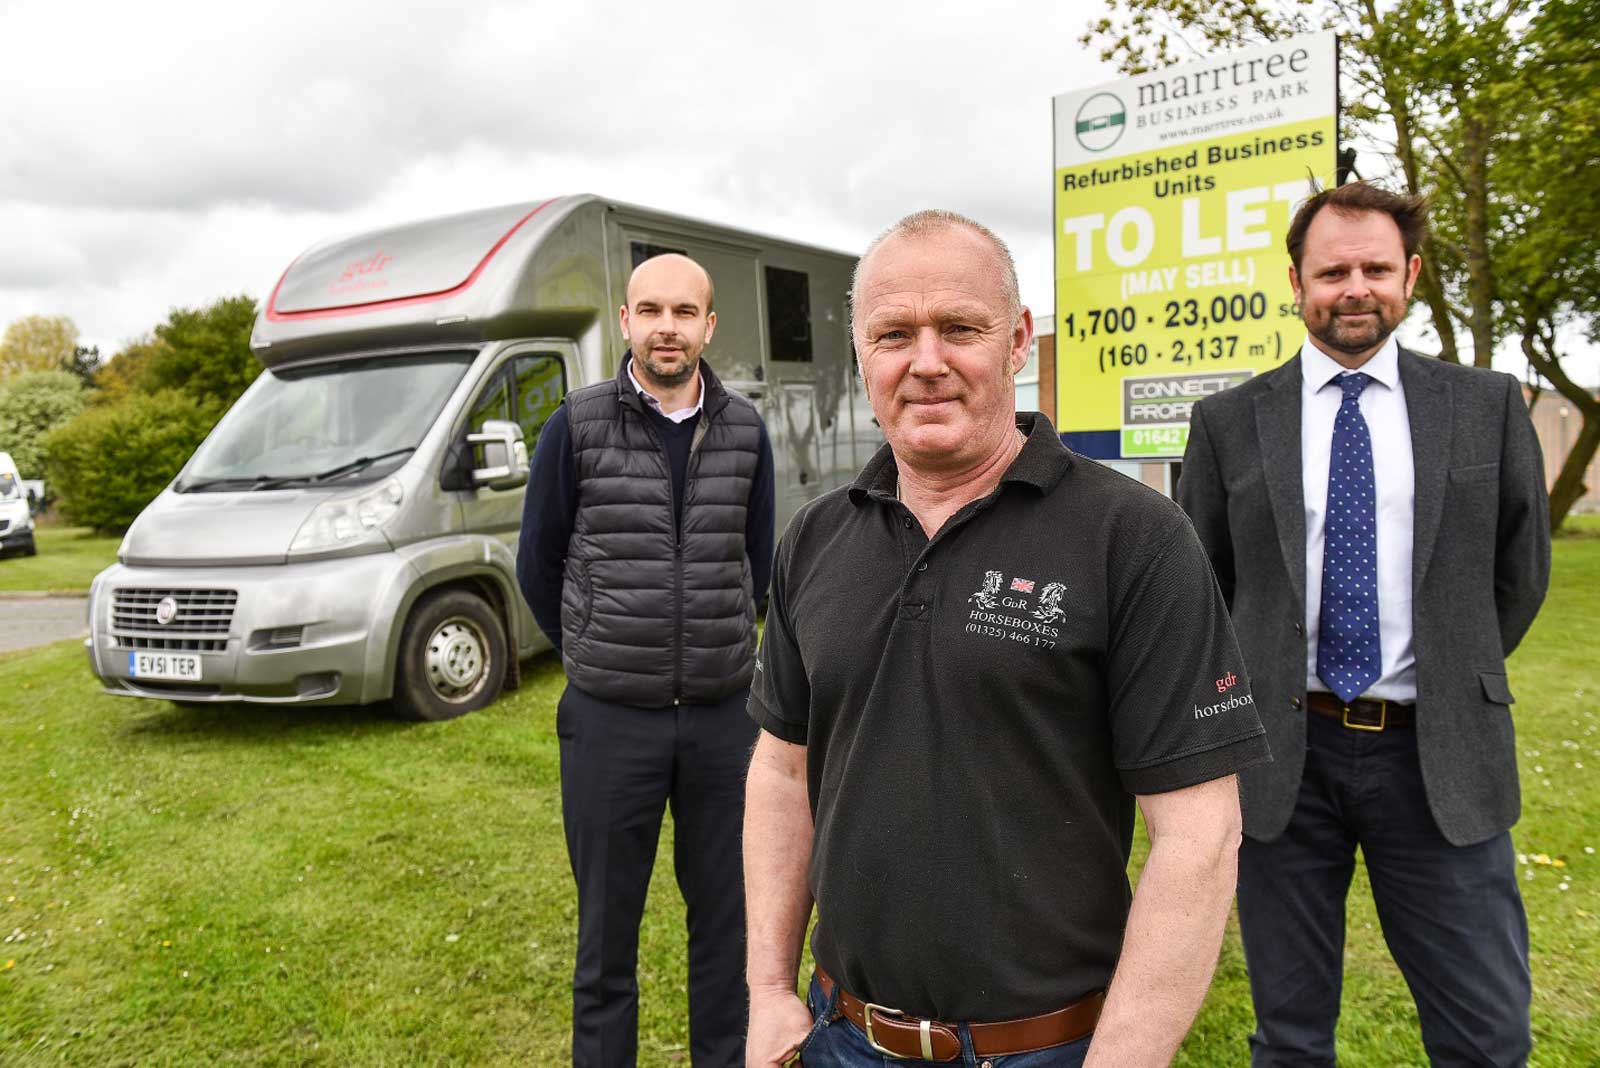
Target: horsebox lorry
[347,532]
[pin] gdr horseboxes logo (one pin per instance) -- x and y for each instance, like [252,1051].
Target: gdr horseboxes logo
[1002,613]
[1100,122]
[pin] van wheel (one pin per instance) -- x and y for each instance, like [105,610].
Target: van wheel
[31,548]
[452,657]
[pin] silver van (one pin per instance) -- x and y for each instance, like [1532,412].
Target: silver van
[347,532]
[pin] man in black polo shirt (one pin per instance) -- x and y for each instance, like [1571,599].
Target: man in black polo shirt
[977,659]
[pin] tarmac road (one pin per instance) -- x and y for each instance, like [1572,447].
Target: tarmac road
[30,621]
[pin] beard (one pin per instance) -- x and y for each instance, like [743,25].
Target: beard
[663,374]
[1341,334]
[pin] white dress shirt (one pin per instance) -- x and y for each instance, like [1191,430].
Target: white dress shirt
[1383,406]
[682,413]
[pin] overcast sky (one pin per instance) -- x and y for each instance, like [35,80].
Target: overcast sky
[164,154]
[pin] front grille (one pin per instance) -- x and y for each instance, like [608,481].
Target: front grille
[200,625]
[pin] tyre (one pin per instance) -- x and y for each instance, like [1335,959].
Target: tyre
[29,548]
[452,657]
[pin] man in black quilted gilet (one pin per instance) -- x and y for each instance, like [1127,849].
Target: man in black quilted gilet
[646,544]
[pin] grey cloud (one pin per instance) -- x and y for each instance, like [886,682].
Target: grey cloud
[315,116]
[137,161]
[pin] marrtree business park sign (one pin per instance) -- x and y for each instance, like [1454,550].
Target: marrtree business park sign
[1173,195]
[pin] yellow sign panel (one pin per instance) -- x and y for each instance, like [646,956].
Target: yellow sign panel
[1171,275]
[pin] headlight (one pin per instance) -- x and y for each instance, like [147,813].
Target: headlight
[345,522]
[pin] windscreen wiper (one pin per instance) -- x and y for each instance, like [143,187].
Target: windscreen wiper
[358,464]
[251,481]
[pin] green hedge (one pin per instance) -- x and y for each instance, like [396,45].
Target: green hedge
[108,463]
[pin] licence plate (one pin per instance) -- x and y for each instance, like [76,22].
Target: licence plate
[177,667]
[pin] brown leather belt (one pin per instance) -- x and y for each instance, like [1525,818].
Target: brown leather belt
[895,1034]
[1364,713]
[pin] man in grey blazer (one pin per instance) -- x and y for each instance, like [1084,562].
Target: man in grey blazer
[1377,522]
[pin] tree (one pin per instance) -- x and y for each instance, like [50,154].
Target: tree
[124,374]
[32,405]
[205,353]
[109,462]
[85,363]
[1484,106]
[1549,237]
[37,343]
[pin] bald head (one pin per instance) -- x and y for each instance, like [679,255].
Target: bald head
[930,223]
[667,321]
[671,272]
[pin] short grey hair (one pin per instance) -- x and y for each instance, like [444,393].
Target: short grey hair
[930,223]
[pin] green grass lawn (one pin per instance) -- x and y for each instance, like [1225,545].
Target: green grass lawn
[69,559]
[265,886]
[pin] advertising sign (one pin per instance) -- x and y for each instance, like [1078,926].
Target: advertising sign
[1173,195]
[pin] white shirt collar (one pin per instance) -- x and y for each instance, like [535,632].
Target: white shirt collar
[1318,369]
[682,413]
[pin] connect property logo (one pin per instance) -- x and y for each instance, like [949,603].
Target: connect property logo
[1100,122]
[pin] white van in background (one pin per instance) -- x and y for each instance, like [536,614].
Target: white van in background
[16,511]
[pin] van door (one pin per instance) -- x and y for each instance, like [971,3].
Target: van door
[526,387]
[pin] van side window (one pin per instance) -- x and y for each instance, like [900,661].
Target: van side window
[495,402]
[644,250]
[789,314]
[541,382]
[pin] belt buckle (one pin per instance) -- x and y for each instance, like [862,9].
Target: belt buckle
[866,1019]
[1383,717]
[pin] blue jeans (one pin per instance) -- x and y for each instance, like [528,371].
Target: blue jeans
[838,1043]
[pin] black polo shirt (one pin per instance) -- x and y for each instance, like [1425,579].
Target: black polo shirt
[980,710]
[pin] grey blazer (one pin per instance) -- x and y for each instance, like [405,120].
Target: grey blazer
[1479,571]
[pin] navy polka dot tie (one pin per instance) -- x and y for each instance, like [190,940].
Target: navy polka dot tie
[1349,658]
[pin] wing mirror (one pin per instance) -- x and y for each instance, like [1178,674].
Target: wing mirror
[505,455]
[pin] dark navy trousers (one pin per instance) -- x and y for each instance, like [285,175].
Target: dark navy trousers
[620,768]
[1451,915]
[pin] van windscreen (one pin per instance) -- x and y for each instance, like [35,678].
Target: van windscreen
[297,426]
